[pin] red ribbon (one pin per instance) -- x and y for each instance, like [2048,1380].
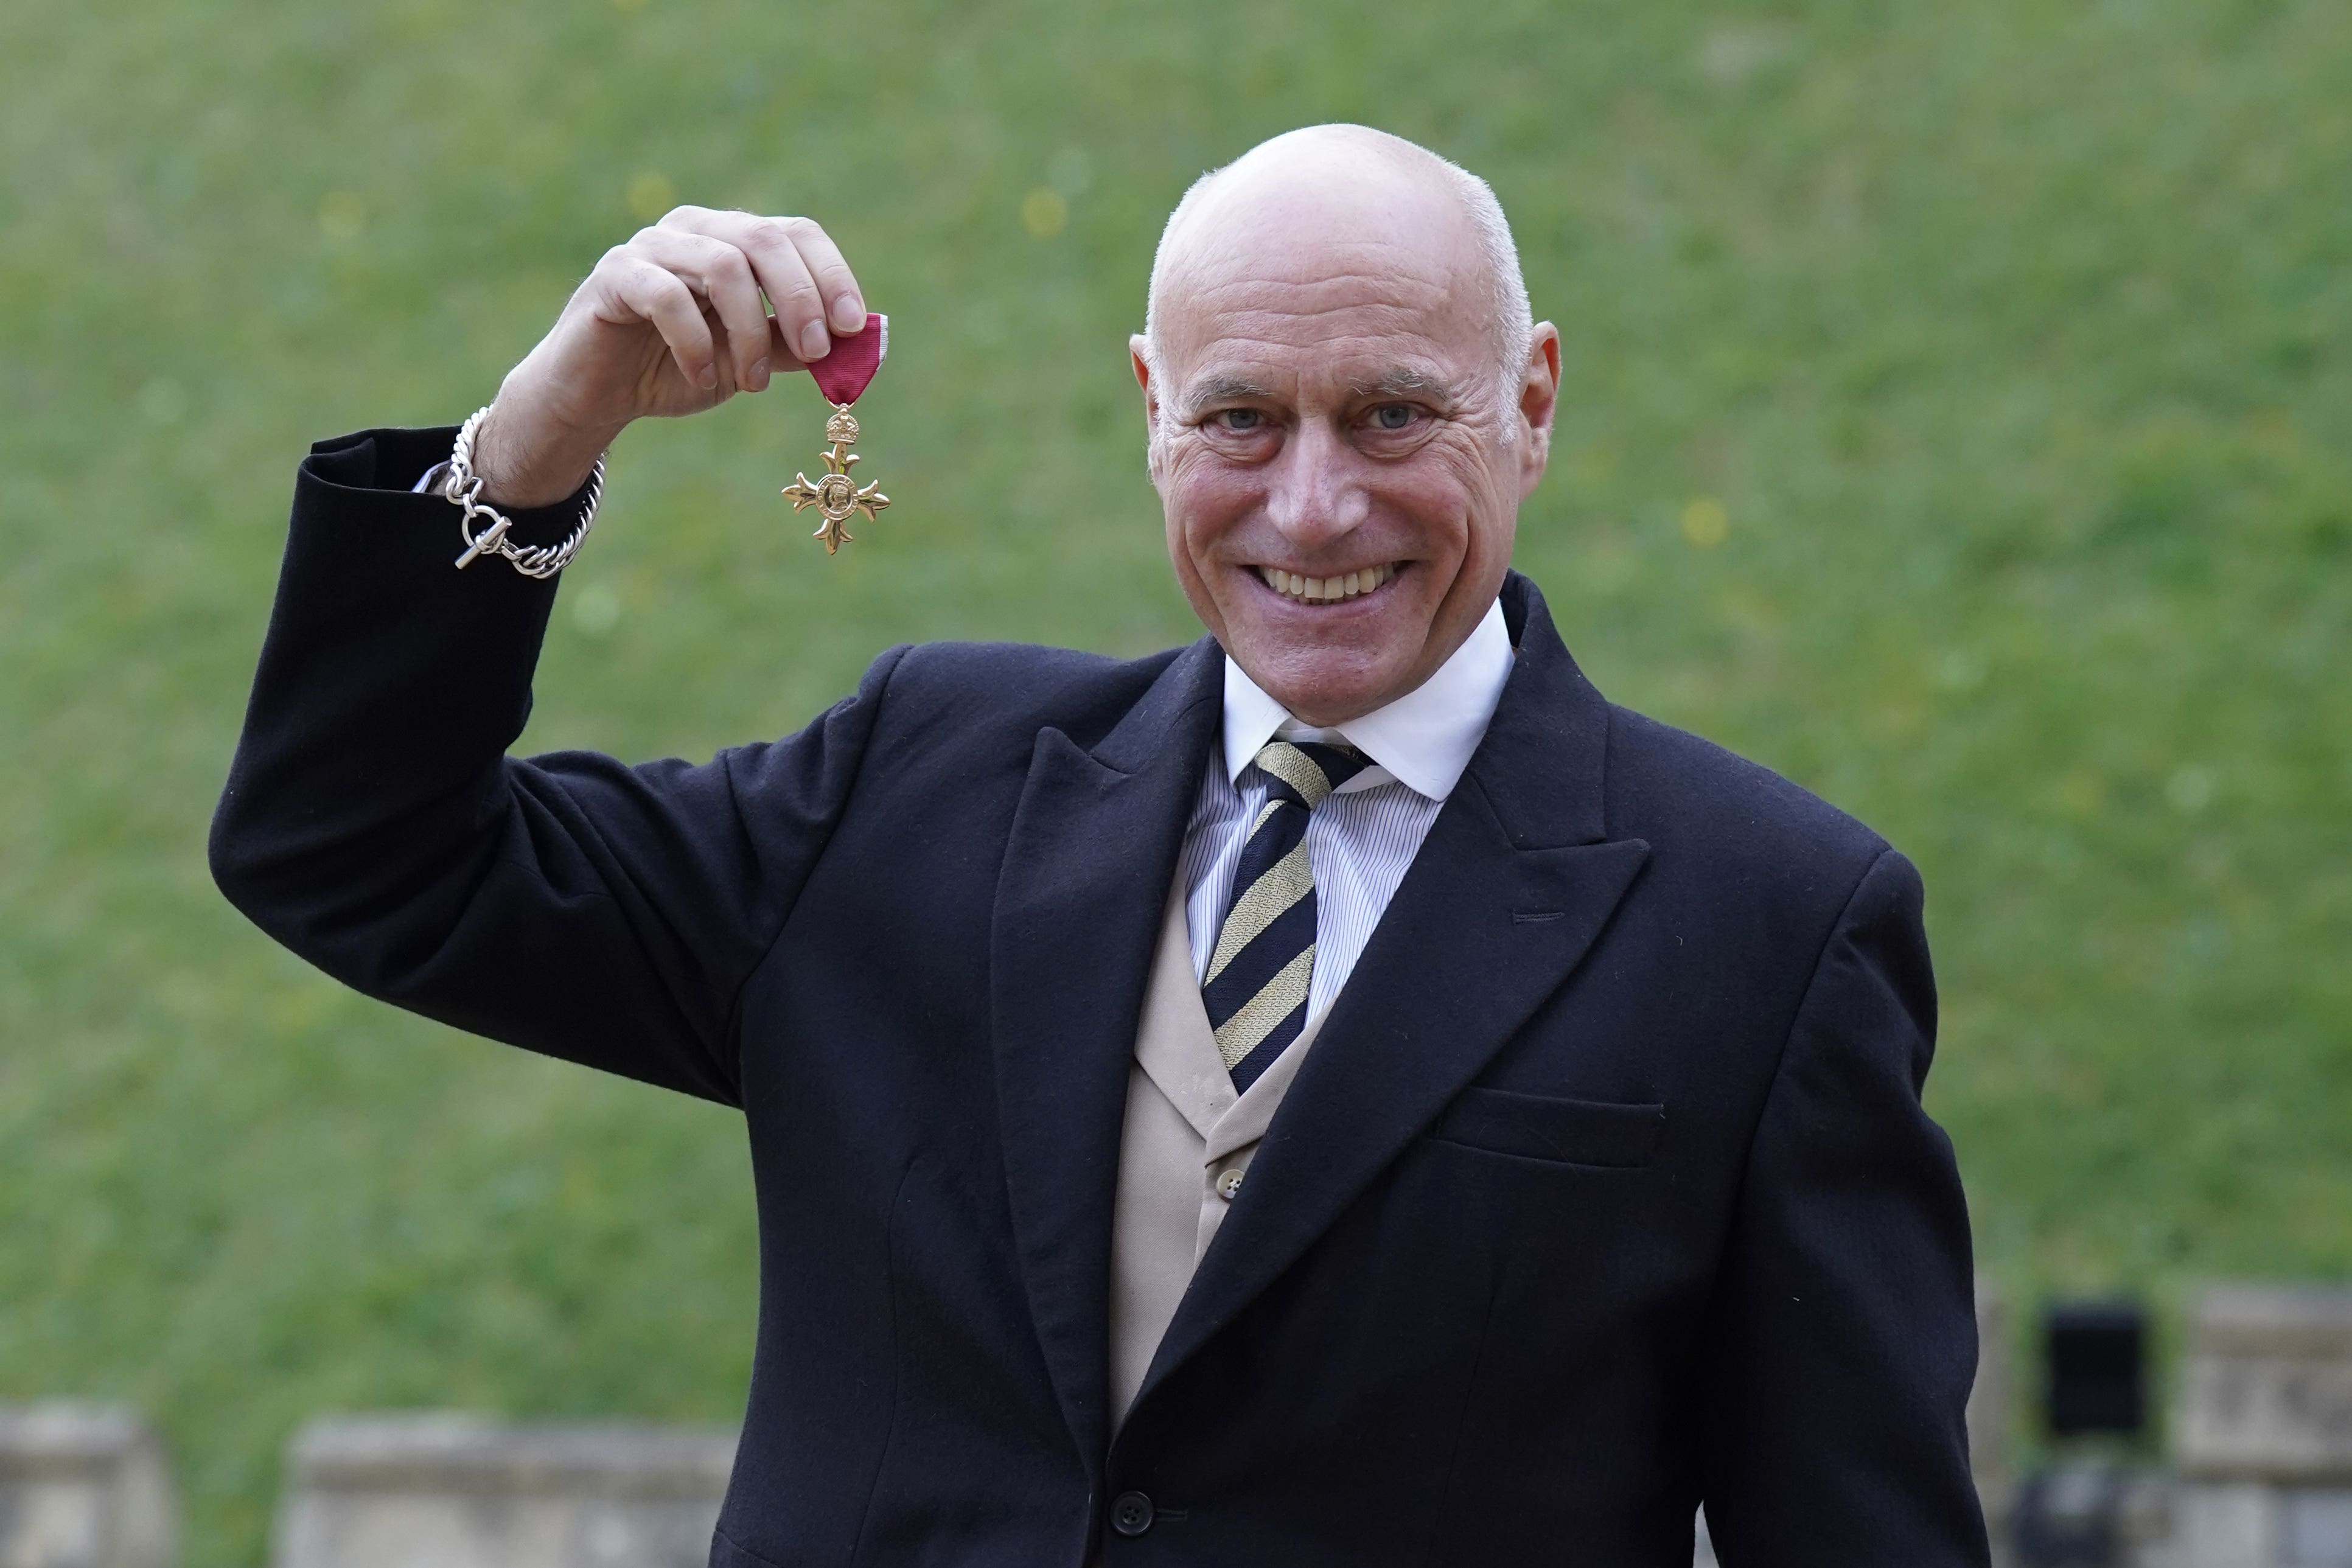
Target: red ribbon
[848,367]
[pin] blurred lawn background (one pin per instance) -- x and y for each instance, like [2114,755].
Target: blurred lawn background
[1955,420]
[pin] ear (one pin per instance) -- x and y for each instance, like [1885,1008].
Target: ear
[1139,362]
[1138,358]
[1539,402]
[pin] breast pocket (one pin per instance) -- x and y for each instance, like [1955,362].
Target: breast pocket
[1546,1127]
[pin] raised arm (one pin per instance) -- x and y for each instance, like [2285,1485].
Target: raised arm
[1845,1330]
[373,821]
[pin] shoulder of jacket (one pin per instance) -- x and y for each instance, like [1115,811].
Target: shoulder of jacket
[945,690]
[1683,793]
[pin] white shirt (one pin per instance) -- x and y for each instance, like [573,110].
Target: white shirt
[1360,840]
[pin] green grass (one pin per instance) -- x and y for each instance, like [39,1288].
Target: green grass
[2014,340]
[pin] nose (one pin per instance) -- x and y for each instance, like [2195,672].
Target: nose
[1312,494]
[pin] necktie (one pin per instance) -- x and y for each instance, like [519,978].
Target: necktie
[1256,990]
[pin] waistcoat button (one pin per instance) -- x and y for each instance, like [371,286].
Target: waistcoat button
[1130,1513]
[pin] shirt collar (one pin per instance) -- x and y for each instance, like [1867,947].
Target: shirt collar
[1424,739]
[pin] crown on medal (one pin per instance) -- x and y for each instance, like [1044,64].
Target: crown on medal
[842,427]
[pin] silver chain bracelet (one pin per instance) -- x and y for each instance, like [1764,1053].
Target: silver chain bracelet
[462,487]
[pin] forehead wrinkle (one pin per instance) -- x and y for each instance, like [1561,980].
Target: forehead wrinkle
[1411,315]
[1381,329]
[1361,353]
[1393,288]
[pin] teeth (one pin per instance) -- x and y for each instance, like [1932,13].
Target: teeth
[1324,590]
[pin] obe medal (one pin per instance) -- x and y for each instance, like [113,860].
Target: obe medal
[845,372]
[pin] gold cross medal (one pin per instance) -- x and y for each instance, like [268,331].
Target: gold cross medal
[842,375]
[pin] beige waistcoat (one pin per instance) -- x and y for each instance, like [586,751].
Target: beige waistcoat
[1188,1139]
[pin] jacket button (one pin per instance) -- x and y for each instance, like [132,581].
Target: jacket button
[1130,1513]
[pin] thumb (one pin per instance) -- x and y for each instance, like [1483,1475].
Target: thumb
[781,357]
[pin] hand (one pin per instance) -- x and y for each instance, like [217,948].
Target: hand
[670,323]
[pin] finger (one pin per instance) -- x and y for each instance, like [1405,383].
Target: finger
[720,274]
[844,304]
[785,252]
[800,308]
[657,294]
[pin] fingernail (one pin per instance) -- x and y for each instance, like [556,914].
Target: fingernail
[814,343]
[758,380]
[849,313]
[709,376]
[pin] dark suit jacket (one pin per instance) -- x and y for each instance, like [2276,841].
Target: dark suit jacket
[1606,1189]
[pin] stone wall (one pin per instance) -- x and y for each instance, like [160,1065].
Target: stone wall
[455,1491]
[2263,1439]
[83,1486]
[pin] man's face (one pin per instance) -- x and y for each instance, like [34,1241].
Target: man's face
[1338,456]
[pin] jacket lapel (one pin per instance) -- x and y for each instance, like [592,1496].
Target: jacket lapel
[1514,884]
[1087,864]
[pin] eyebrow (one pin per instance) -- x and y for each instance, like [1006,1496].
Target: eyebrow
[1403,382]
[1400,381]
[1226,388]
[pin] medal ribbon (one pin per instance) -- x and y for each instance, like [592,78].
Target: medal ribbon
[847,368]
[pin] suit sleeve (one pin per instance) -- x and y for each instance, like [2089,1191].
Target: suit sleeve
[374,823]
[1845,1328]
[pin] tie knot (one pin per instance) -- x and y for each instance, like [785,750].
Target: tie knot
[1305,772]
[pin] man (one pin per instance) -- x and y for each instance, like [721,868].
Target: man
[1341,1093]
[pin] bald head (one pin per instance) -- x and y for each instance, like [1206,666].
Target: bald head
[1327,180]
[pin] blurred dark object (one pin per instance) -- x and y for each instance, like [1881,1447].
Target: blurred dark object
[2096,1360]
[2083,1510]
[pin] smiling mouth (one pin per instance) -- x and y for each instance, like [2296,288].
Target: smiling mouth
[1325,589]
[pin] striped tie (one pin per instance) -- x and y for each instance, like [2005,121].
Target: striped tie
[1256,990]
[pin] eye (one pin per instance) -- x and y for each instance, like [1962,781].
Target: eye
[1240,419]
[1392,415]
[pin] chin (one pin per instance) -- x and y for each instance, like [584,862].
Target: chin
[1332,684]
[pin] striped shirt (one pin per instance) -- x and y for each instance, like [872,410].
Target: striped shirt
[1360,840]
